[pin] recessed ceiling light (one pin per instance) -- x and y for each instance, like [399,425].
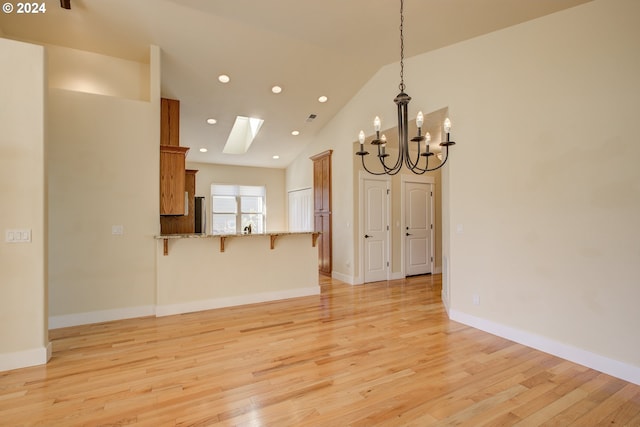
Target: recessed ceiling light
[323,99]
[295,133]
[203,150]
[276,89]
[276,157]
[212,121]
[223,78]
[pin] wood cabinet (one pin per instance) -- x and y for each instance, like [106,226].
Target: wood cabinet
[172,179]
[322,208]
[182,224]
[169,122]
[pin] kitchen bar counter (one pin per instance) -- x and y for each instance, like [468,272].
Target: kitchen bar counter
[198,274]
[223,237]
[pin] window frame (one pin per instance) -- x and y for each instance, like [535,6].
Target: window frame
[239,192]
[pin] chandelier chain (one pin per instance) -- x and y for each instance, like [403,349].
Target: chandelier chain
[401,85]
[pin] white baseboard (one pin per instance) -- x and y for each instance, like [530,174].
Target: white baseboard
[582,357]
[359,280]
[25,358]
[67,320]
[188,307]
[343,277]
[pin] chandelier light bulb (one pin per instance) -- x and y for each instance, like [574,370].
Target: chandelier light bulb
[376,124]
[419,119]
[447,125]
[383,138]
[361,137]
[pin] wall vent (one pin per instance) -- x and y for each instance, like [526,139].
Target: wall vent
[311,117]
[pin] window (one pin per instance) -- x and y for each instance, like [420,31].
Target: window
[235,207]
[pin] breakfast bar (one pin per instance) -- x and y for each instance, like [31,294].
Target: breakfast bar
[202,271]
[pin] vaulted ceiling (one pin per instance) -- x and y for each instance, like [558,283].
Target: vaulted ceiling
[309,48]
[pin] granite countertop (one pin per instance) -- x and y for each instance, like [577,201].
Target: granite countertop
[201,236]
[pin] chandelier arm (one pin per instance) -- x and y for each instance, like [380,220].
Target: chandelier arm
[410,163]
[371,172]
[388,169]
[446,157]
[393,169]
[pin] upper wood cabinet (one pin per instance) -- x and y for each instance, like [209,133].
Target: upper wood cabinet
[182,224]
[169,122]
[172,179]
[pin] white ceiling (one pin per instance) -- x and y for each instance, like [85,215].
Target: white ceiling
[310,48]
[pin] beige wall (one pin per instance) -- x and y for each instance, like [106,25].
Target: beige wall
[273,179]
[89,72]
[196,275]
[103,159]
[545,181]
[23,266]
[541,197]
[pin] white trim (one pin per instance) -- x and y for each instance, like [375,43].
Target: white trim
[586,358]
[76,319]
[25,358]
[189,307]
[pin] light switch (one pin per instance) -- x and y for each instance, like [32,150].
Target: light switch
[117,230]
[18,236]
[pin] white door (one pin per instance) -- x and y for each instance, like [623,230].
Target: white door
[301,210]
[376,230]
[418,227]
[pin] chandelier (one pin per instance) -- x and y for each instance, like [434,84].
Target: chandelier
[404,155]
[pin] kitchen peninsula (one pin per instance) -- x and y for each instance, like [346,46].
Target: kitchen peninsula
[200,272]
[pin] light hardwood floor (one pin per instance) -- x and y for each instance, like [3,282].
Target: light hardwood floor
[378,354]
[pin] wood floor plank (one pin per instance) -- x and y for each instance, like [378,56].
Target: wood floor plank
[379,354]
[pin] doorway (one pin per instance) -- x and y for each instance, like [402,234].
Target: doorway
[417,225]
[374,227]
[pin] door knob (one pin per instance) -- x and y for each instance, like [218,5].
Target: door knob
[366,236]
[408,234]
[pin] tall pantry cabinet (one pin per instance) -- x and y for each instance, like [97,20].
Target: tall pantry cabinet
[322,208]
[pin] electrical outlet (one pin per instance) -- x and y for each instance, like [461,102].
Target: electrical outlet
[476,299]
[117,230]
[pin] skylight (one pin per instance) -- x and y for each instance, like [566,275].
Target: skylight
[242,134]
